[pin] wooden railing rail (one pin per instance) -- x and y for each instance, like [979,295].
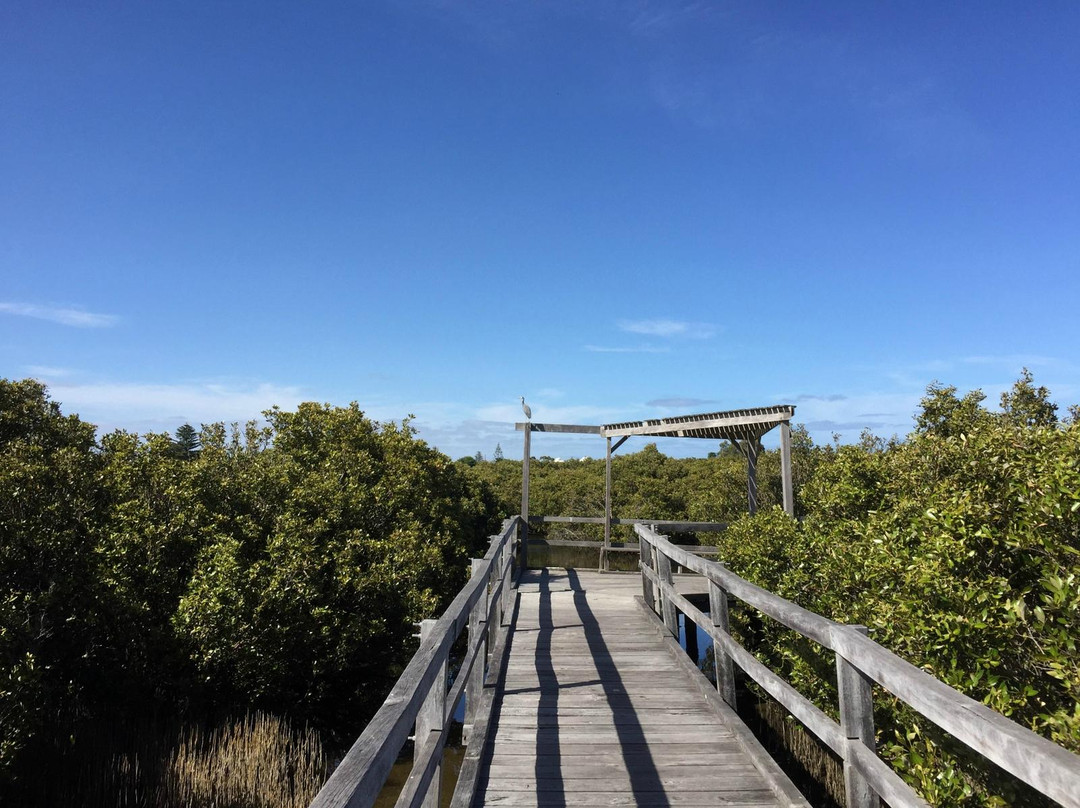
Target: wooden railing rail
[860,662]
[627,547]
[419,697]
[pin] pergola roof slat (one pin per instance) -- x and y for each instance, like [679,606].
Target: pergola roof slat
[733,424]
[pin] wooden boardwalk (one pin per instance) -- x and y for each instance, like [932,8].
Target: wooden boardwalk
[599,707]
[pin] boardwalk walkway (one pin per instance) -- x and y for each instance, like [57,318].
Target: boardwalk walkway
[597,709]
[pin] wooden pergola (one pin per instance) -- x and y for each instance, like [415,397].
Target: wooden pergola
[743,428]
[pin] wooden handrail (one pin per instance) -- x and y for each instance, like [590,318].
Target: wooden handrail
[360,776]
[1048,768]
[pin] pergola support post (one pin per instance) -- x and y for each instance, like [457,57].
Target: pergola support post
[525,499]
[785,468]
[750,449]
[604,554]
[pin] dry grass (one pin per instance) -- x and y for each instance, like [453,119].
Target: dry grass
[257,762]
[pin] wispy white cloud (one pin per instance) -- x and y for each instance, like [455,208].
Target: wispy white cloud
[639,349]
[1011,361]
[669,328]
[64,316]
[46,372]
[162,407]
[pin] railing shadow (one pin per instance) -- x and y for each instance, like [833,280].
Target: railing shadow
[633,743]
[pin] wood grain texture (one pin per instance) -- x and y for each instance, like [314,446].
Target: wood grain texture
[592,711]
[1050,769]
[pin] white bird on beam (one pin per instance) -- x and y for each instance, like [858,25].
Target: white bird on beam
[525,408]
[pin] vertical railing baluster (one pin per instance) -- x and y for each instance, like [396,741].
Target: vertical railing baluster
[496,616]
[645,560]
[725,669]
[430,719]
[477,630]
[507,607]
[857,722]
[663,570]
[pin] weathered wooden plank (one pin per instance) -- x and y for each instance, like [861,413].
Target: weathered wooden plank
[676,525]
[766,418]
[1040,763]
[519,799]
[804,621]
[626,749]
[733,782]
[471,768]
[661,719]
[569,428]
[1047,767]
[857,722]
[734,766]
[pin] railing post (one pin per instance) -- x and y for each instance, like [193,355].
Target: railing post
[663,570]
[645,560]
[857,722]
[477,630]
[430,719]
[506,561]
[496,616]
[725,670]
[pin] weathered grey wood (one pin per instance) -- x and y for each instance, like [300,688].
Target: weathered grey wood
[667,524]
[811,625]
[857,721]
[469,777]
[1047,767]
[430,719]
[575,428]
[1040,763]
[425,770]
[785,791]
[525,463]
[785,468]
[765,418]
[359,777]
[532,799]
[477,636]
[607,508]
[590,705]
[724,669]
[750,449]
[883,780]
[696,549]
[795,702]
[666,591]
[506,594]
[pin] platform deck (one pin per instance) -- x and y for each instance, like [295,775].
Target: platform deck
[592,712]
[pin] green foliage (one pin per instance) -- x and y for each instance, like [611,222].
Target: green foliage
[49,592]
[277,567]
[960,549]
[342,535]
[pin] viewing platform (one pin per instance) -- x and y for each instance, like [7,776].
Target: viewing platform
[578,693]
[599,705]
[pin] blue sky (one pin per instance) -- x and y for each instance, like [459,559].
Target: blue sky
[617,209]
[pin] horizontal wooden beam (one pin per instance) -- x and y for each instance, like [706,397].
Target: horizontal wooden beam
[668,524]
[616,548]
[578,428]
